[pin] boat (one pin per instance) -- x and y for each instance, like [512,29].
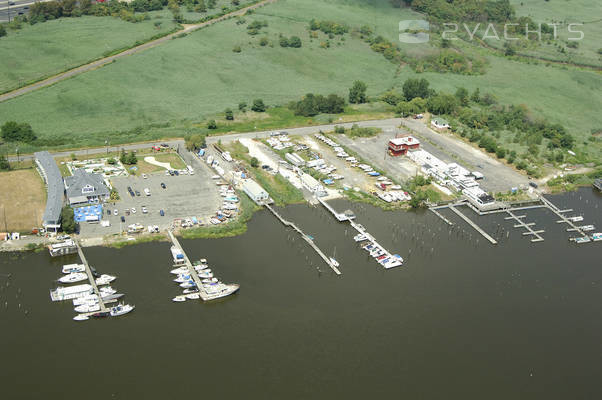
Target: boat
[84,308]
[71,292]
[179,299]
[70,268]
[596,237]
[105,279]
[334,262]
[188,285]
[587,228]
[575,219]
[101,314]
[209,281]
[180,270]
[220,290]
[93,298]
[395,261]
[73,277]
[107,290]
[583,239]
[202,268]
[360,238]
[62,248]
[81,317]
[205,274]
[193,296]
[178,255]
[120,310]
[188,291]
[183,278]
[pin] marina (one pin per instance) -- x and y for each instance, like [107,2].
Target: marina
[527,226]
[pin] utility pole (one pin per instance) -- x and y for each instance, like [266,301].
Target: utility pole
[17,151]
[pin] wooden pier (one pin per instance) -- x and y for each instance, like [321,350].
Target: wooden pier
[341,217]
[101,303]
[563,219]
[195,277]
[475,226]
[305,237]
[521,224]
[437,213]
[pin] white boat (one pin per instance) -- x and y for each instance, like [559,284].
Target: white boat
[210,281]
[188,285]
[182,279]
[360,238]
[334,262]
[84,308]
[120,310]
[188,291]
[205,274]
[81,317]
[179,299]
[107,290]
[73,277]
[105,279]
[584,239]
[576,219]
[193,296]
[200,268]
[71,292]
[596,237]
[70,268]
[587,228]
[180,270]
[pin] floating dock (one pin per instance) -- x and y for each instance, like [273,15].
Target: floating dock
[341,217]
[305,237]
[521,224]
[101,303]
[563,218]
[361,230]
[437,213]
[471,223]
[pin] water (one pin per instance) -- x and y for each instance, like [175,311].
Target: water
[462,320]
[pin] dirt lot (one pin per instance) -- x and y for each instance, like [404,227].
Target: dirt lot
[22,200]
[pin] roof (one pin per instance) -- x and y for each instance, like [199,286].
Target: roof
[440,121]
[405,140]
[253,187]
[54,182]
[81,179]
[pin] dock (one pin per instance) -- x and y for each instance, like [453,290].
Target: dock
[220,291]
[305,237]
[563,219]
[341,217]
[527,226]
[437,213]
[82,257]
[471,223]
[361,230]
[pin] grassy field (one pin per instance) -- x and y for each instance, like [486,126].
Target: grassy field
[23,198]
[172,87]
[173,159]
[48,48]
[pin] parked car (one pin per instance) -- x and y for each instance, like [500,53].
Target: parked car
[133,210]
[167,172]
[122,218]
[144,210]
[63,237]
[164,145]
[127,211]
[147,191]
[162,213]
[108,212]
[137,193]
[163,185]
[144,176]
[176,173]
[115,212]
[533,184]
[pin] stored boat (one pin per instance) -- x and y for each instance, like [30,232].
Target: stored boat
[209,281]
[587,228]
[107,290]
[205,274]
[360,238]
[334,262]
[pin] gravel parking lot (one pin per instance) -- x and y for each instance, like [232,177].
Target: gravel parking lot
[498,176]
[184,196]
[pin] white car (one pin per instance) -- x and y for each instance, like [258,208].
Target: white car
[147,191]
[144,176]
[144,210]
[115,212]
[133,210]
[166,172]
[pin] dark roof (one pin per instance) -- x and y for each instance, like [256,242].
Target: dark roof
[54,181]
[81,179]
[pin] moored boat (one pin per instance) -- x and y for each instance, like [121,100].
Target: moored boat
[193,296]
[73,277]
[596,237]
[179,299]
[105,279]
[120,310]
[70,268]
[84,308]
[81,317]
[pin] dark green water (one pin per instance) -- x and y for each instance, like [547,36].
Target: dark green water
[465,320]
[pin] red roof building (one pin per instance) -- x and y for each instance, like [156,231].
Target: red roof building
[400,146]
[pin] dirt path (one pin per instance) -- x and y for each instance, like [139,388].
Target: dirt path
[99,63]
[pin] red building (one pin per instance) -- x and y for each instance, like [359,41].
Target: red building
[400,145]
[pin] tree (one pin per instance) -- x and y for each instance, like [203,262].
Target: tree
[111,161]
[254,162]
[242,106]
[211,124]
[132,159]
[229,114]
[357,93]
[15,132]
[2,31]
[295,41]
[442,104]
[123,157]
[391,97]
[258,105]
[4,164]
[195,142]
[462,96]
[68,223]
[416,88]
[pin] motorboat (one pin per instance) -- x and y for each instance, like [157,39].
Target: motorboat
[188,285]
[596,237]
[180,270]
[188,291]
[183,278]
[360,238]
[209,281]
[105,279]
[70,268]
[193,296]
[202,268]
[205,274]
[81,317]
[587,228]
[576,219]
[101,314]
[583,239]
[107,290]
[120,310]
[73,277]
[84,308]
[334,262]
[179,299]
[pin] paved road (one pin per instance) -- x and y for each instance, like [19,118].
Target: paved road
[99,63]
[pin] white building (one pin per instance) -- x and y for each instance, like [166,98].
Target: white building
[439,123]
[295,159]
[254,191]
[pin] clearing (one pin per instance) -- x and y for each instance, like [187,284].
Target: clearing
[22,199]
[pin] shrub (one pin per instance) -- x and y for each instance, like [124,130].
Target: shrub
[15,132]
[211,124]
[229,114]
[258,105]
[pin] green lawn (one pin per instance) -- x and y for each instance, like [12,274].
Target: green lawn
[168,90]
[45,49]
